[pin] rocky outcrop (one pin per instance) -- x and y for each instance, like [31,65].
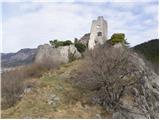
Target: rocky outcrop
[59,55]
[141,100]
[85,39]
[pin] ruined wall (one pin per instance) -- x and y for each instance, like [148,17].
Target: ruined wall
[98,34]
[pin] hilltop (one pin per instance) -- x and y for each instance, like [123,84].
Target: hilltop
[94,77]
[56,94]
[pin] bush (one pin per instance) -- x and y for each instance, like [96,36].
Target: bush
[13,82]
[108,72]
[67,42]
[12,87]
[80,47]
[57,43]
[118,38]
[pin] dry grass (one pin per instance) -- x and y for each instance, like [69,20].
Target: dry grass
[73,103]
[14,82]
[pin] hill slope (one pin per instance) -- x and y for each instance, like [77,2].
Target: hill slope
[150,50]
[54,96]
[22,57]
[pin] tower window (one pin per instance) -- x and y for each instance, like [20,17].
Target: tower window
[98,26]
[99,34]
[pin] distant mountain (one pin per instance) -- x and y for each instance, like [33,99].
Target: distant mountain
[22,57]
[150,50]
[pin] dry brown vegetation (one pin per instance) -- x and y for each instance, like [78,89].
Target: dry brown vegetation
[109,72]
[73,103]
[13,82]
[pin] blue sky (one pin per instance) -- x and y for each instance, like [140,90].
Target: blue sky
[29,24]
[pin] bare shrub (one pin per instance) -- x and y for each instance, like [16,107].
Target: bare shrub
[47,63]
[11,87]
[13,82]
[35,70]
[108,71]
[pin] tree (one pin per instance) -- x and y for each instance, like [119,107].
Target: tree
[80,47]
[67,42]
[75,40]
[108,71]
[118,38]
[57,43]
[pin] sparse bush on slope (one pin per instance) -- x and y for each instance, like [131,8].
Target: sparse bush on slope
[11,87]
[105,71]
[13,81]
[112,73]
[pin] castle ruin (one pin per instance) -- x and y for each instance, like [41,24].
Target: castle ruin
[98,33]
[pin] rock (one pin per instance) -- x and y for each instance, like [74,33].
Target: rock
[128,110]
[56,98]
[86,107]
[73,52]
[98,116]
[118,45]
[60,88]
[127,115]
[145,94]
[53,100]
[96,100]
[134,92]
[85,39]
[27,90]
[117,115]
[58,55]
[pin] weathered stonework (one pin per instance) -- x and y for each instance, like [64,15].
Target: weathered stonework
[98,34]
[58,55]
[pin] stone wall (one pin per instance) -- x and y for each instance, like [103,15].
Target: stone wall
[56,55]
[98,34]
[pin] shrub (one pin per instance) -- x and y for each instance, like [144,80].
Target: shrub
[57,43]
[108,71]
[13,82]
[47,63]
[12,87]
[118,38]
[75,40]
[67,42]
[53,42]
[80,47]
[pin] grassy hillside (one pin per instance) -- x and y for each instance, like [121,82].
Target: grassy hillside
[150,50]
[54,96]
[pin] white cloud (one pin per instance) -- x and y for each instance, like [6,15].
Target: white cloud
[67,21]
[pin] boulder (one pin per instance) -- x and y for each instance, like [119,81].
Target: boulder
[62,54]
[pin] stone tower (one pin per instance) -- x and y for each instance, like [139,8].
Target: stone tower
[98,33]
